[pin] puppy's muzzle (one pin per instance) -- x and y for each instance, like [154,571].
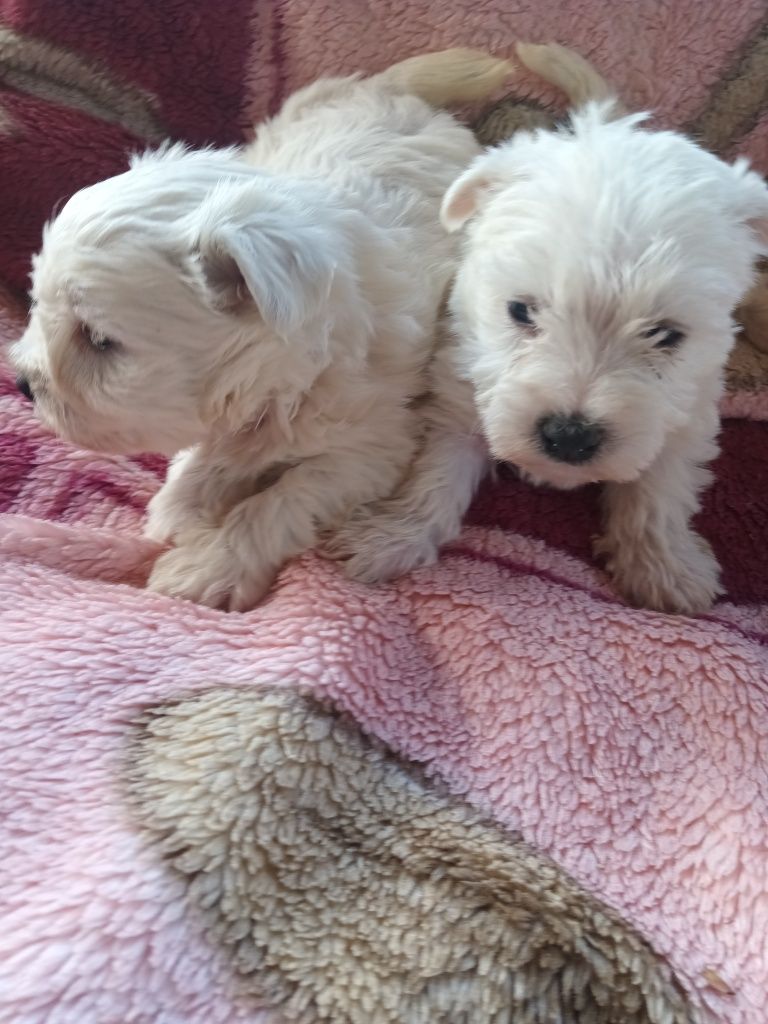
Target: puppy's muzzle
[24,387]
[570,439]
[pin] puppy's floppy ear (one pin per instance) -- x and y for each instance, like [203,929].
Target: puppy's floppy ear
[470,192]
[270,252]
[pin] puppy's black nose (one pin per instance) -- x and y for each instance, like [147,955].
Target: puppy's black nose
[23,385]
[570,439]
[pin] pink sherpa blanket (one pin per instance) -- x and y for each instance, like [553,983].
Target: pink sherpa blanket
[631,746]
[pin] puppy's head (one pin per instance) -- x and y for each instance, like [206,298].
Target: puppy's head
[184,294]
[594,299]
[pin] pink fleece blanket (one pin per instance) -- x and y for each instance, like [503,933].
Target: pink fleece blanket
[631,746]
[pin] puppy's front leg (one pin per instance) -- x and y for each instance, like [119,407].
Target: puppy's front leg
[395,535]
[177,506]
[234,564]
[656,559]
[202,485]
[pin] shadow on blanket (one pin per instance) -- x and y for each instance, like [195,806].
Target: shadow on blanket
[344,888]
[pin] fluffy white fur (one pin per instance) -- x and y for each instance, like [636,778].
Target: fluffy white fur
[265,315]
[613,235]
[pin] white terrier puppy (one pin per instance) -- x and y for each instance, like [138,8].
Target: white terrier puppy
[590,325]
[268,313]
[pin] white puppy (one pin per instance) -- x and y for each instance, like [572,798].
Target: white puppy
[268,313]
[591,321]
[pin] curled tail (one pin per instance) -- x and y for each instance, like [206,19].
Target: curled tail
[570,73]
[448,77]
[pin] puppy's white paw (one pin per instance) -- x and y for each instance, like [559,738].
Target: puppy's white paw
[205,571]
[680,576]
[167,519]
[156,528]
[375,549]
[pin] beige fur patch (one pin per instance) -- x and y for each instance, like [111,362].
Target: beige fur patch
[346,888]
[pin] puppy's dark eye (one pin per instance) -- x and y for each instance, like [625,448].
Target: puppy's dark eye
[98,341]
[521,313]
[664,336]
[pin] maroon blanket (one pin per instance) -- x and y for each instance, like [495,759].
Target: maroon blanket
[83,83]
